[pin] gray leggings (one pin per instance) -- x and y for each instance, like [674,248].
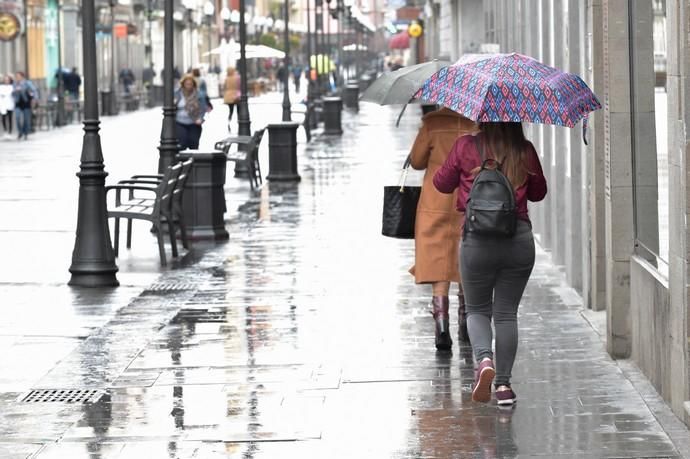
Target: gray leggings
[494,275]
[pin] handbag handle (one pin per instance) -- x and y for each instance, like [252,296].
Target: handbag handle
[405,170]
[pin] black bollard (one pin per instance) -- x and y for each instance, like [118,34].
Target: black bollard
[332,108]
[282,152]
[203,203]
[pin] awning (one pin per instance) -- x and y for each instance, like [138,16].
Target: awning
[400,40]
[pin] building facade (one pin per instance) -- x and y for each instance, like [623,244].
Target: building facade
[615,218]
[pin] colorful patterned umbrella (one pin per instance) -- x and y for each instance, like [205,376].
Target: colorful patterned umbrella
[510,87]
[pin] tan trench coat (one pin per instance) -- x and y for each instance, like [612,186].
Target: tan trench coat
[438,223]
[231,93]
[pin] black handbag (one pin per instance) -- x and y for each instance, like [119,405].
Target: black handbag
[400,207]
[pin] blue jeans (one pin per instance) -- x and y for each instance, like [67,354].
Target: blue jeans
[23,120]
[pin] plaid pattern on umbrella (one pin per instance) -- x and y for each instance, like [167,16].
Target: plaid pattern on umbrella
[510,87]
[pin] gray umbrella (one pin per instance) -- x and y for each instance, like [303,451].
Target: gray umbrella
[399,86]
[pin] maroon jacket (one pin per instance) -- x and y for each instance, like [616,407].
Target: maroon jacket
[464,157]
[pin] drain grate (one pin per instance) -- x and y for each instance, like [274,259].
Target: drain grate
[63,396]
[165,287]
[200,316]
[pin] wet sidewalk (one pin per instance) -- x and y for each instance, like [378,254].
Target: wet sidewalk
[304,336]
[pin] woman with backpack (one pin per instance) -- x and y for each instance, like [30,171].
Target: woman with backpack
[495,172]
[437,223]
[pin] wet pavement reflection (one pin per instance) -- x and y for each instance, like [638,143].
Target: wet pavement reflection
[304,336]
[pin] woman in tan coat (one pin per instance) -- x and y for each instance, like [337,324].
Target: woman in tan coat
[231,92]
[438,224]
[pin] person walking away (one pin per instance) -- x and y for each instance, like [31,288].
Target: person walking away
[25,98]
[297,77]
[495,268]
[231,92]
[191,109]
[438,223]
[6,105]
[72,82]
[280,75]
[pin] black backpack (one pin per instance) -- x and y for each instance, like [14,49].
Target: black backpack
[490,209]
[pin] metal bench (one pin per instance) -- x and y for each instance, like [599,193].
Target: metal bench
[248,151]
[155,206]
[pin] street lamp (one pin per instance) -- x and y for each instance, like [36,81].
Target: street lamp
[286,64]
[112,103]
[225,16]
[189,11]
[209,9]
[60,115]
[168,147]
[93,259]
[241,169]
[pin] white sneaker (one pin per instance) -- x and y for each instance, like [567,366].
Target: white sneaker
[7,136]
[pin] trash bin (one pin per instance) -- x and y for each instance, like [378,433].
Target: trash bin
[282,152]
[108,105]
[203,202]
[332,108]
[158,92]
[351,93]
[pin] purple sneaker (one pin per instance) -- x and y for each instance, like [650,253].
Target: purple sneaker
[483,377]
[505,397]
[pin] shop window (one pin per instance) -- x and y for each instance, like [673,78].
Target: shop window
[650,130]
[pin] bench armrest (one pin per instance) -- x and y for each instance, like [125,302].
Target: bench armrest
[152,176]
[135,181]
[130,188]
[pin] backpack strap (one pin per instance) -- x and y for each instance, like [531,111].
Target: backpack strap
[482,156]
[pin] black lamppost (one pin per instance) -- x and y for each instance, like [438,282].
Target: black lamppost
[60,115]
[190,23]
[168,147]
[93,259]
[327,45]
[149,19]
[209,9]
[112,103]
[318,60]
[286,64]
[339,17]
[243,120]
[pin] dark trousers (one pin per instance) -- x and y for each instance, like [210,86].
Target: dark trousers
[7,122]
[188,135]
[495,271]
[231,110]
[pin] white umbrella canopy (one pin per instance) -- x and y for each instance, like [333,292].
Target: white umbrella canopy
[231,51]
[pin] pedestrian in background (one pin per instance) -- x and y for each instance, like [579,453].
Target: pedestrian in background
[6,105]
[438,223]
[72,84]
[495,269]
[297,77]
[25,98]
[191,108]
[231,92]
[281,73]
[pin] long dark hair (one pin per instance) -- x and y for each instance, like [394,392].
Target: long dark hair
[508,144]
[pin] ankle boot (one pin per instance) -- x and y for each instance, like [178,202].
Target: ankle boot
[440,313]
[462,320]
